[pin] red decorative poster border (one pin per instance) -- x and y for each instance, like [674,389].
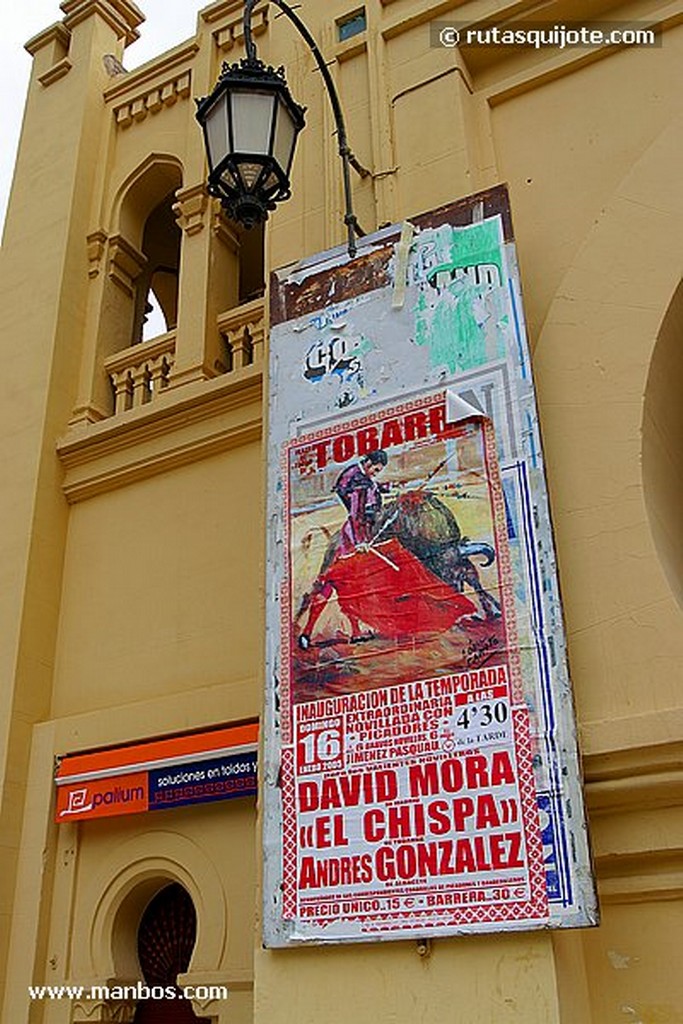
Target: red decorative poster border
[408,798]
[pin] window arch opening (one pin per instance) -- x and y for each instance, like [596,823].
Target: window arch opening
[157,287]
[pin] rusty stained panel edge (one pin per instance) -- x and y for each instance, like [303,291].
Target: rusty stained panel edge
[290,300]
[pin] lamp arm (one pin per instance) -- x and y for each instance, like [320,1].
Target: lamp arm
[353,228]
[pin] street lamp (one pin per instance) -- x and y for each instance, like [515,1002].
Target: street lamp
[251,124]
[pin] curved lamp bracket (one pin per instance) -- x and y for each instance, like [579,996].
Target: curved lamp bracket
[353,228]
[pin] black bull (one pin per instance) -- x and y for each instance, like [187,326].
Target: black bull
[427,528]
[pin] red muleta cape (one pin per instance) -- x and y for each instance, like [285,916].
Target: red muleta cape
[391,590]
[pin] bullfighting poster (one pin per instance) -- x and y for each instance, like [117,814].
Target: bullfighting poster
[421,774]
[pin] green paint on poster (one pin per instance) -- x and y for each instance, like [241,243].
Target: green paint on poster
[475,245]
[457,321]
[362,346]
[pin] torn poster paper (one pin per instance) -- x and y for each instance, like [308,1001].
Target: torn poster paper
[421,775]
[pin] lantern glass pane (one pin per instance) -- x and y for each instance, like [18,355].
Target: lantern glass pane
[270,182]
[252,115]
[285,136]
[249,174]
[217,130]
[228,178]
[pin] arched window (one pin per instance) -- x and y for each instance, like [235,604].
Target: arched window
[157,286]
[166,938]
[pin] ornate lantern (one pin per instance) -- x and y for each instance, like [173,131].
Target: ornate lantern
[250,124]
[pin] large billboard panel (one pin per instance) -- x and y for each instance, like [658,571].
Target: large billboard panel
[421,774]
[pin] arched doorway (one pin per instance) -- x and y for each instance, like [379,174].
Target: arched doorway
[166,936]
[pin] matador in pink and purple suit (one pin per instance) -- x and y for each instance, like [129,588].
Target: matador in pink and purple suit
[361,495]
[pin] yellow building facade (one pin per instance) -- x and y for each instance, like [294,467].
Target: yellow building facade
[131,598]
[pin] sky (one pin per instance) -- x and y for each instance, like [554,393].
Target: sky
[167,23]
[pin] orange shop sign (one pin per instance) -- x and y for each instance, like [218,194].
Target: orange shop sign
[171,771]
[103,798]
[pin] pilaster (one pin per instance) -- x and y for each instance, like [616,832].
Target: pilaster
[44,266]
[209,282]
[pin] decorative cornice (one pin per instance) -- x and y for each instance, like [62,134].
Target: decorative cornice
[220,10]
[567,61]
[629,736]
[352,47]
[646,877]
[54,34]
[180,427]
[406,22]
[151,74]
[557,63]
[636,779]
[87,413]
[190,208]
[122,16]
[224,230]
[96,242]
[125,264]
[57,71]
[634,797]
[232,34]
[153,100]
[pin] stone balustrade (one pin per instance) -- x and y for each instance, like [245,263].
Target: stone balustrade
[242,330]
[140,373]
